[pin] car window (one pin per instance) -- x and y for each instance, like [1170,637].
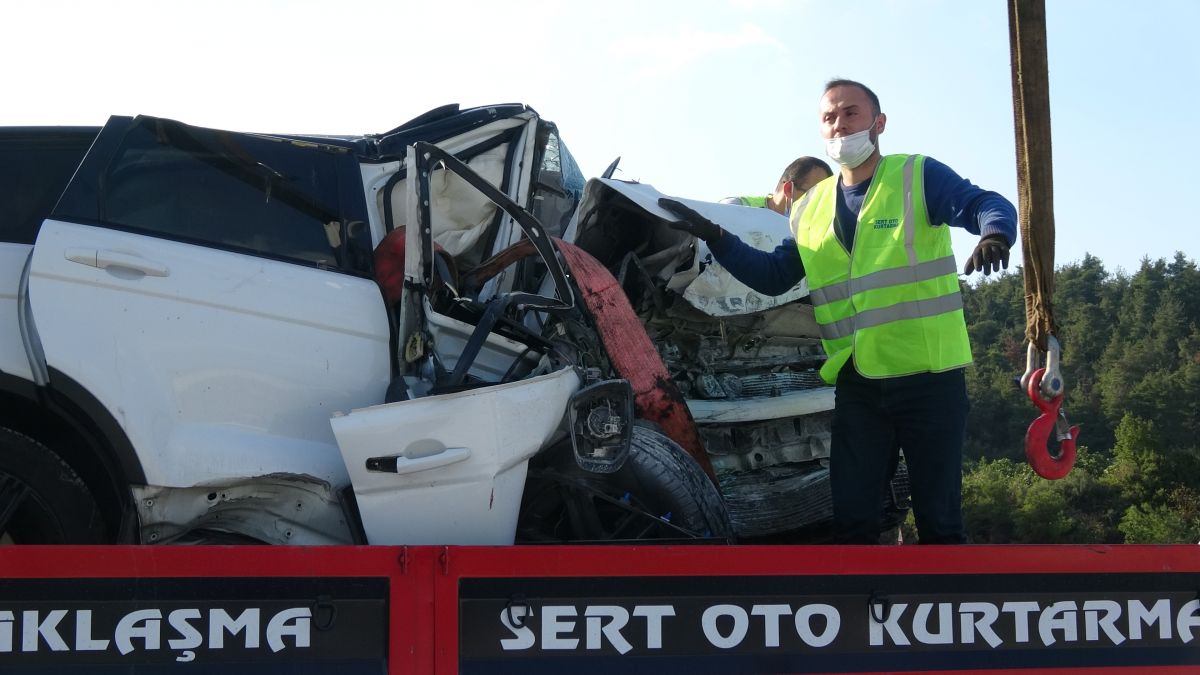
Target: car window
[35,165]
[256,194]
[559,184]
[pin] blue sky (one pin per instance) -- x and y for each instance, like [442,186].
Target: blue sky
[702,99]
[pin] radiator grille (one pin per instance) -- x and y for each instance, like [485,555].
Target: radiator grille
[776,384]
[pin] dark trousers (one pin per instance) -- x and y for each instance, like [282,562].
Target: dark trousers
[926,416]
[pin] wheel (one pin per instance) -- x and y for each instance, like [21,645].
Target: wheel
[42,499]
[660,493]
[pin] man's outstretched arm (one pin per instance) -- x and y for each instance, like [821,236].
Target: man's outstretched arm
[768,272]
[956,201]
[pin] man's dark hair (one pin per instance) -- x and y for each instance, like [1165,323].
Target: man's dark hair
[801,168]
[851,83]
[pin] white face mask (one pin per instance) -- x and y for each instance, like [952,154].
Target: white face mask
[852,150]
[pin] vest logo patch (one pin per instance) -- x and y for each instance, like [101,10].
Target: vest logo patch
[886,223]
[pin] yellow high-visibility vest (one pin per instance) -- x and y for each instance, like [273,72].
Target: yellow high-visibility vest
[894,303]
[756,202]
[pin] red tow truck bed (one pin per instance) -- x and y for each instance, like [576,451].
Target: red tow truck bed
[604,609]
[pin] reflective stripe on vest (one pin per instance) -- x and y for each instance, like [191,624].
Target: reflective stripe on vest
[884,278]
[913,309]
[895,302]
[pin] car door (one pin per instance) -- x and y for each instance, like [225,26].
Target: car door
[212,291]
[449,468]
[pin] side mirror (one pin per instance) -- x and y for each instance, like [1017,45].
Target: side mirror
[601,422]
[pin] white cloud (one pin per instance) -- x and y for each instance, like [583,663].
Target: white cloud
[659,54]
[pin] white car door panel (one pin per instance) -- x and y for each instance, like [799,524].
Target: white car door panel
[228,366]
[456,473]
[208,289]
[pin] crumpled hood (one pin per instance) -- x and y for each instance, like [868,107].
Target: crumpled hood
[705,284]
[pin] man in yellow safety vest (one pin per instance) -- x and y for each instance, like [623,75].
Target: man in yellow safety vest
[874,244]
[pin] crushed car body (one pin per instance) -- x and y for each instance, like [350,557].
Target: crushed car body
[438,334]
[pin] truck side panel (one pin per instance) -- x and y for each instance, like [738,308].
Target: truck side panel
[663,609]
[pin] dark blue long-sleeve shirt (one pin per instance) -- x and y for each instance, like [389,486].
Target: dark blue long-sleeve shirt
[950,199]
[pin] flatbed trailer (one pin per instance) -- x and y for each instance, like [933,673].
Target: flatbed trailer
[599,609]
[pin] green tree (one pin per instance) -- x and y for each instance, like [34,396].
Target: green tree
[1090,508]
[1135,466]
[1175,521]
[1083,294]
[991,496]
[1005,502]
[995,315]
[1043,516]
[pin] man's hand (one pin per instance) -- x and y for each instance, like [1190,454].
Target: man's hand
[691,222]
[989,256]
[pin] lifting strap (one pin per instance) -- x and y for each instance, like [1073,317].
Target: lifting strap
[1035,186]
[1035,190]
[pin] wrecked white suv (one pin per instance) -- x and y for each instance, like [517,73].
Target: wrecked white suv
[214,337]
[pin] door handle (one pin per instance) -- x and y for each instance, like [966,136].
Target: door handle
[402,465]
[104,259]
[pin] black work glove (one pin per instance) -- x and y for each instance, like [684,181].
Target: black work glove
[691,222]
[989,255]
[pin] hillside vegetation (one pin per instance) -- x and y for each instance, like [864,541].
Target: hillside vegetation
[1131,359]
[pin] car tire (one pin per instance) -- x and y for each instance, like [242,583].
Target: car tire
[42,499]
[659,493]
